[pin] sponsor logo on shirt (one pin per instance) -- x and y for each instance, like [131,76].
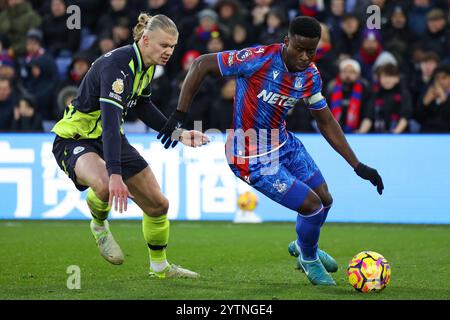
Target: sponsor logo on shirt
[124,75]
[275,74]
[277,99]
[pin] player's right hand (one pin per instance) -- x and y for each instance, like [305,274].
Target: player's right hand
[118,193]
[175,121]
[193,138]
[370,174]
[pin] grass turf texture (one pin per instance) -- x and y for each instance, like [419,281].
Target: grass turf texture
[235,261]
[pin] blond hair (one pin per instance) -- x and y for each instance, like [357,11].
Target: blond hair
[149,23]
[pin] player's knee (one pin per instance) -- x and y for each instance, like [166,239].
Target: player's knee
[157,208]
[327,200]
[101,189]
[311,204]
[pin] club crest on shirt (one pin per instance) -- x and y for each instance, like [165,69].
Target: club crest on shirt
[118,86]
[243,54]
[298,83]
[77,150]
[280,186]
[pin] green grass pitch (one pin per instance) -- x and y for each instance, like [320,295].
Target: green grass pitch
[235,261]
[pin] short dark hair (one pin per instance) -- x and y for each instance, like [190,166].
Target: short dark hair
[443,68]
[431,56]
[305,26]
[389,69]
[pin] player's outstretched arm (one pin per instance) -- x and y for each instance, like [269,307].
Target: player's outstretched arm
[202,66]
[333,133]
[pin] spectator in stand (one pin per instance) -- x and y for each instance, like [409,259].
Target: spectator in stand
[33,45]
[121,32]
[434,112]
[349,40]
[347,96]
[25,118]
[312,8]
[325,58]
[15,21]
[275,28]
[230,13]
[154,7]
[77,70]
[334,17]
[396,36]
[8,98]
[241,37]
[437,36]
[39,74]
[417,17]
[390,107]
[57,39]
[176,84]
[428,64]
[259,13]
[118,10]
[207,26]
[215,43]
[221,115]
[7,65]
[185,15]
[371,48]
[102,45]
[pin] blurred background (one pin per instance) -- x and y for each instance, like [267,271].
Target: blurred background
[393,80]
[389,81]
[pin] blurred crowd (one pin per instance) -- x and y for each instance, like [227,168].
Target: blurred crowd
[395,79]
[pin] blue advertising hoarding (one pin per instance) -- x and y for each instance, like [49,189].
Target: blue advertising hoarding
[200,185]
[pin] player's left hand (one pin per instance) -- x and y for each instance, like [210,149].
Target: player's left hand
[370,174]
[167,133]
[193,138]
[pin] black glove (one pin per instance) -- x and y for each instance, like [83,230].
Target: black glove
[370,174]
[175,121]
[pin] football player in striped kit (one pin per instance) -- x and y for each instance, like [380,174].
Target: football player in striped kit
[269,82]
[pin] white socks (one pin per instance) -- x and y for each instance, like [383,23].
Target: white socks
[159,266]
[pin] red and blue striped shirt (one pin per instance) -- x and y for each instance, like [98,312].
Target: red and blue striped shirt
[265,92]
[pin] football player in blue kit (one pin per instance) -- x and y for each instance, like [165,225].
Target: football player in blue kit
[269,82]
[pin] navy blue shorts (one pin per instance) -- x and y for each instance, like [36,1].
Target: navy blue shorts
[67,152]
[285,176]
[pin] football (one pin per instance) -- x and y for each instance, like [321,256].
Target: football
[247,201]
[368,271]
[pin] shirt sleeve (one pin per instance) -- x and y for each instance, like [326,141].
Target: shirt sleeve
[242,63]
[113,89]
[314,99]
[150,114]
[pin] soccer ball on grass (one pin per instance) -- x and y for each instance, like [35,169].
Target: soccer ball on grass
[369,271]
